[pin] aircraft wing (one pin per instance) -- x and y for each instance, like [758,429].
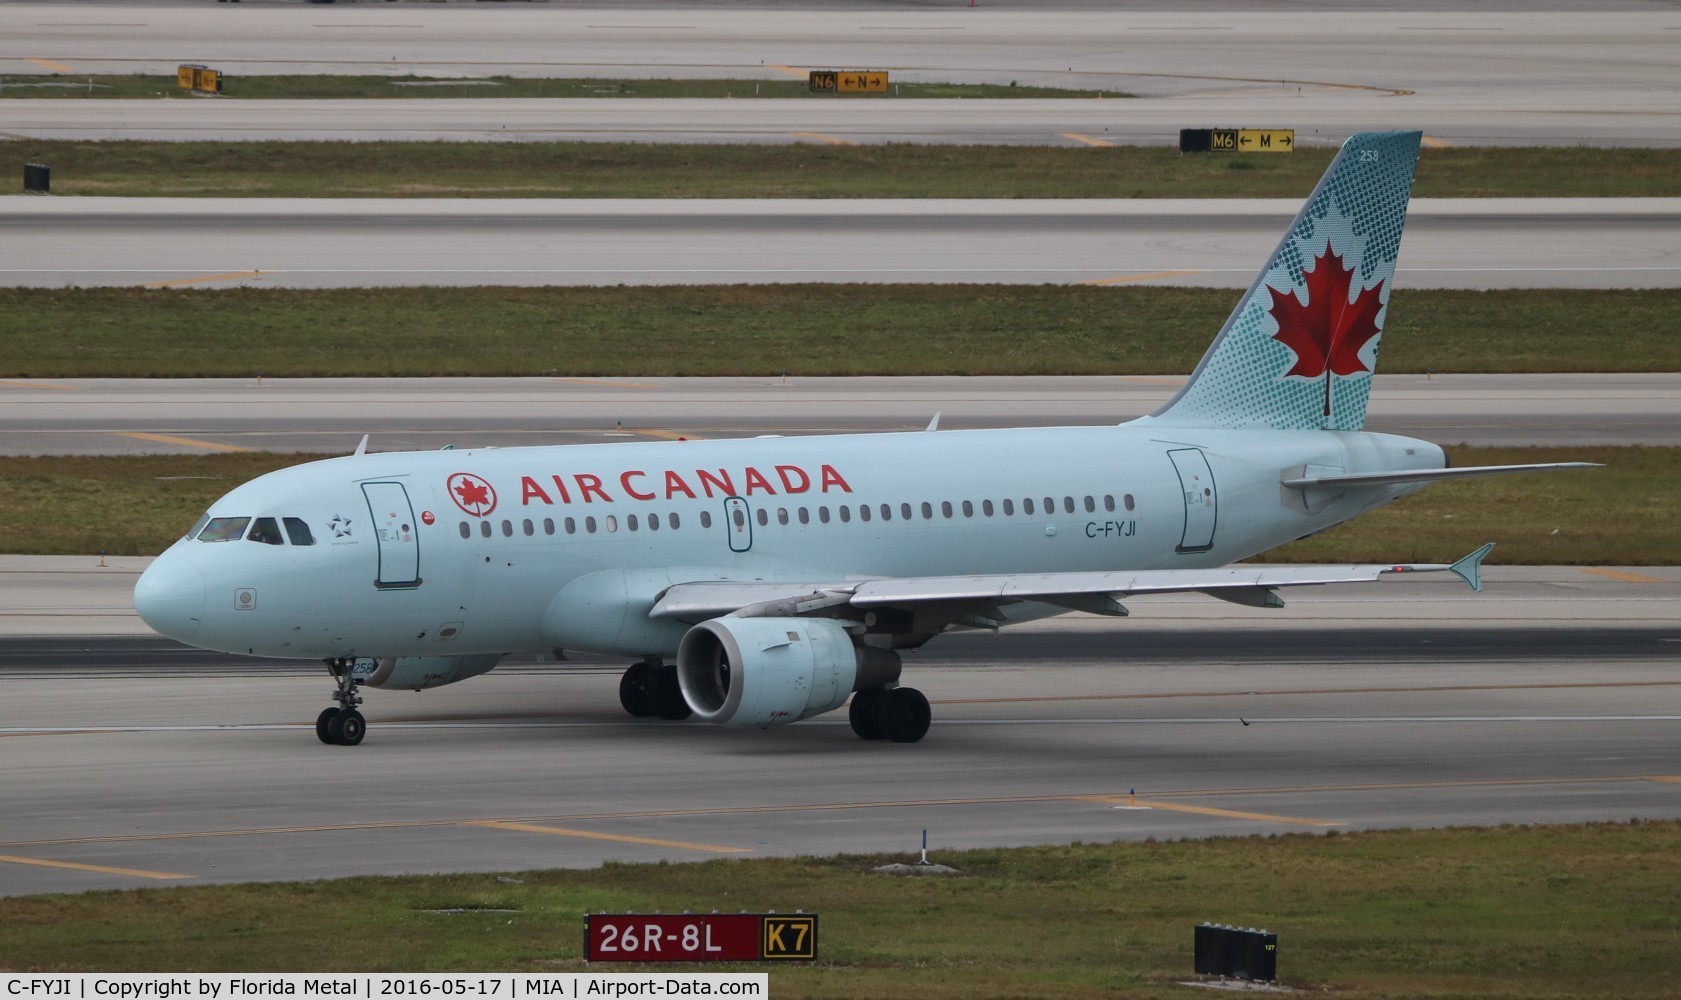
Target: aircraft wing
[1098,592]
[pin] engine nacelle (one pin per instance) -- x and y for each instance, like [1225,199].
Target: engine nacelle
[420,672]
[773,671]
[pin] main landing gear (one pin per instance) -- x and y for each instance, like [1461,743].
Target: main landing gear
[895,714]
[342,726]
[650,688]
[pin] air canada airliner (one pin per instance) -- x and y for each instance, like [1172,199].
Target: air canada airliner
[762,581]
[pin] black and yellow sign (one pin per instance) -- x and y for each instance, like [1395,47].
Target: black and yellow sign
[848,81]
[1266,140]
[200,78]
[859,82]
[1222,139]
[790,938]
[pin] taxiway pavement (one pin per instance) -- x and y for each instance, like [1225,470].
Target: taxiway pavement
[1550,76]
[1550,697]
[354,242]
[187,416]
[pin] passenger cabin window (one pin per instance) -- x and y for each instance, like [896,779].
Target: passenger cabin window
[762,516]
[548,525]
[1128,501]
[297,531]
[1109,502]
[823,514]
[1009,508]
[528,527]
[223,529]
[466,532]
[589,525]
[1027,506]
[846,513]
[1091,505]
[706,519]
[781,515]
[968,509]
[571,526]
[630,521]
[986,507]
[676,523]
[484,528]
[945,507]
[267,531]
[864,511]
[653,522]
[927,511]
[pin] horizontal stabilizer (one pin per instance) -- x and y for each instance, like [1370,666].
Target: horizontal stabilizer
[1425,475]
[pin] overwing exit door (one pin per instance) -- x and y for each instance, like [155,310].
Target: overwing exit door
[399,547]
[1196,483]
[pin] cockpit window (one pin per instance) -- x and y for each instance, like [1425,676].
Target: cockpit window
[298,531]
[198,526]
[222,529]
[267,531]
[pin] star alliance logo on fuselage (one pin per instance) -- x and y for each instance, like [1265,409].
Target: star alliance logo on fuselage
[340,525]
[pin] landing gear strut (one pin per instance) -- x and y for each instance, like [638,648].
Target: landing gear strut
[342,726]
[650,687]
[895,714]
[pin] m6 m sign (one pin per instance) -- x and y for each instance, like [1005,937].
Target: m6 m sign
[715,937]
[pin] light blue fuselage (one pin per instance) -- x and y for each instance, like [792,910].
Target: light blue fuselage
[482,579]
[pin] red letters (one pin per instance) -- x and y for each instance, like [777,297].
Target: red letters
[588,484]
[788,484]
[529,488]
[624,480]
[708,480]
[831,477]
[675,484]
[718,482]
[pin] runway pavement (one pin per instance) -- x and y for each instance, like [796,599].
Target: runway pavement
[187,416]
[315,243]
[1593,76]
[1551,696]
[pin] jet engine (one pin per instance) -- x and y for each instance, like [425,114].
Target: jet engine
[773,671]
[420,672]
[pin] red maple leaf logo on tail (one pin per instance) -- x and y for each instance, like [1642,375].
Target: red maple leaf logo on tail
[1327,332]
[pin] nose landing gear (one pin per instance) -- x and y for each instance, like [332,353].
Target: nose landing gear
[343,725]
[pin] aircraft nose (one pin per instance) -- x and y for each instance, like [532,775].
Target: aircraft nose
[170,597]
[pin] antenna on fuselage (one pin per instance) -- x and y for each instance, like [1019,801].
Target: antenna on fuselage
[362,446]
[934,424]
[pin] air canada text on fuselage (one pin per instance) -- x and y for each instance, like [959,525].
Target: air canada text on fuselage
[674,484]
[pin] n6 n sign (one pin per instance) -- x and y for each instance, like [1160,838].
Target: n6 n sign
[716,937]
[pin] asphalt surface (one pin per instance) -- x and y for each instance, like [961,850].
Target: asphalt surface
[1585,76]
[188,416]
[316,243]
[1551,696]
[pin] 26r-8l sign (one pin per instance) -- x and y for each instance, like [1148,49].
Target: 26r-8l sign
[715,937]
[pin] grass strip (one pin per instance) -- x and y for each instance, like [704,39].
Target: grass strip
[1519,912]
[83,86]
[799,170]
[806,329]
[1621,515]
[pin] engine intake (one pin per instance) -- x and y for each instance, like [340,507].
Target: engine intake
[773,671]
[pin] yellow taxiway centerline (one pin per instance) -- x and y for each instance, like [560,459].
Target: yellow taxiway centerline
[790,70]
[184,442]
[104,869]
[1127,800]
[56,67]
[557,831]
[203,279]
[827,139]
[1087,139]
[1617,574]
[1127,279]
[37,385]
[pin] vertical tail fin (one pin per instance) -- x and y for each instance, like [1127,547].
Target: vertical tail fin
[1299,350]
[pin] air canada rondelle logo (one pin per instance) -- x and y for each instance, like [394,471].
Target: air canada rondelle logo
[472,494]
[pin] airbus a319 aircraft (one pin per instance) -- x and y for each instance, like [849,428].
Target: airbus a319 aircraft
[759,582]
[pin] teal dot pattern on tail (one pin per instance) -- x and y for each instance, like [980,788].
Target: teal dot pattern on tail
[1358,211]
